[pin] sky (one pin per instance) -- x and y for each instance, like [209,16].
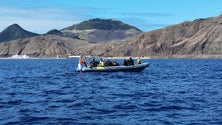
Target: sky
[40,16]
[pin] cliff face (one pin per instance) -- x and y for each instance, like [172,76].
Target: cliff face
[199,38]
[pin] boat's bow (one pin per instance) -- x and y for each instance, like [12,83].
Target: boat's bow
[79,68]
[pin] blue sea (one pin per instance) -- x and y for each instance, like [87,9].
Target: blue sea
[170,91]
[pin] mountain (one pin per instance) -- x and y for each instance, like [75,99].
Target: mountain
[13,32]
[101,24]
[54,32]
[102,30]
[43,46]
[63,34]
[200,38]
[66,41]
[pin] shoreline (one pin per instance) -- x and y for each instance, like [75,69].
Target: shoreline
[127,57]
[124,57]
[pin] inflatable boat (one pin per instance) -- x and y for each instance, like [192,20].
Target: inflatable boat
[129,68]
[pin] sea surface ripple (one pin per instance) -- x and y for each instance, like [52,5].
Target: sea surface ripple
[170,91]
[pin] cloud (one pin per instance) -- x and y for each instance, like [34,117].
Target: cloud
[40,20]
[147,14]
[144,24]
[156,26]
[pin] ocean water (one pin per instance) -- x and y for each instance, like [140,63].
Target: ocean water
[170,91]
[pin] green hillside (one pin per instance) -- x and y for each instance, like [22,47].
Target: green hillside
[101,24]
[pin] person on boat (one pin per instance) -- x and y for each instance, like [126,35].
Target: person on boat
[108,63]
[130,61]
[101,63]
[83,60]
[93,63]
[125,62]
[139,61]
[115,63]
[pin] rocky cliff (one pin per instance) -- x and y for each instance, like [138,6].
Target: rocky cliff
[198,38]
[201,37]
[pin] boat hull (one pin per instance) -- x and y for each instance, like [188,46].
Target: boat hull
[132,68]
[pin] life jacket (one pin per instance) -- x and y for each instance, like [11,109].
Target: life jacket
[101,64]
[83,60]
[139,61]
